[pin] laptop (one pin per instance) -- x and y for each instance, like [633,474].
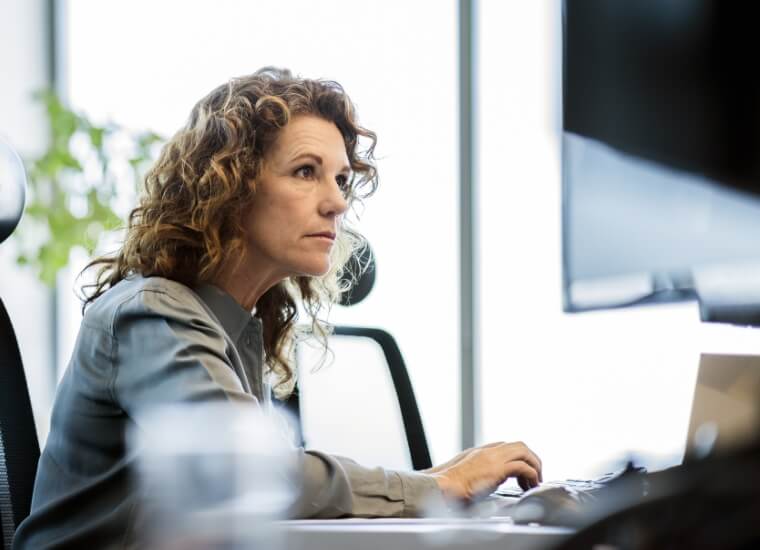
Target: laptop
[725,414]
[725,411]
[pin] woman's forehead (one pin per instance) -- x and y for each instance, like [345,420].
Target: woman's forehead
[310,134]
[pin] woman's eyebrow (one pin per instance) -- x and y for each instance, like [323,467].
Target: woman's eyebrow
[316,158]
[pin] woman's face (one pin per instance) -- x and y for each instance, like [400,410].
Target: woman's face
[296,212]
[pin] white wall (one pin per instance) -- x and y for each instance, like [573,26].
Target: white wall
[23,66]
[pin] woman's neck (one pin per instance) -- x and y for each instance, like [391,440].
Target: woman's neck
[245,284]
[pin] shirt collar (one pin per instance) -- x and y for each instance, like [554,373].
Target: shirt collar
[232,315]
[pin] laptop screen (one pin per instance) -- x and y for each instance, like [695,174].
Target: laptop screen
[725,412]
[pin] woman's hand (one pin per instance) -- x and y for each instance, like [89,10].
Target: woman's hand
[480,470]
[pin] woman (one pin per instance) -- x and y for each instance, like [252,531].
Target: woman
[243,212]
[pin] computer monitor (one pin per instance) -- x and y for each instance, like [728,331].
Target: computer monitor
[661,155]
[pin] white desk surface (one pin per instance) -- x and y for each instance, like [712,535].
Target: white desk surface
[408,534]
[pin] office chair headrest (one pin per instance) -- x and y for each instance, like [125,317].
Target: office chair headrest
[364,258]
[12,190]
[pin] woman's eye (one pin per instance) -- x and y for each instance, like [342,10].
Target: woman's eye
[343,183]
[306,172]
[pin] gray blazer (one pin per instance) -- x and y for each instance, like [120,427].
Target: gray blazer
[150,341]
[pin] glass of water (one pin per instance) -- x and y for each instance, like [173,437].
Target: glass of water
[214,475]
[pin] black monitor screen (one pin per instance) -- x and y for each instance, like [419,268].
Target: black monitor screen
[661,153]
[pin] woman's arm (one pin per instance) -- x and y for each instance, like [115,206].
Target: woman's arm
[170,351]
[336,486]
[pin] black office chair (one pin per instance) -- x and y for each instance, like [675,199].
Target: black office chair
[19,448]
[407,403]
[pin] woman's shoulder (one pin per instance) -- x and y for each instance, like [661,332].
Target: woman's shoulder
[142,295]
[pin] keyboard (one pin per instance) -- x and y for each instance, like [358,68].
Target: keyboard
[571,502]
[580,485]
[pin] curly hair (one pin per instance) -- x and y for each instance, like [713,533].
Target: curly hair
[188,221]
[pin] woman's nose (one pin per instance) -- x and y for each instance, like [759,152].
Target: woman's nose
[335,202]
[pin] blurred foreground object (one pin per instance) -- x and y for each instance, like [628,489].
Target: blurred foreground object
[660,164]
[12,190]
[213,475]
[19,449]
[79,186]
[712,503]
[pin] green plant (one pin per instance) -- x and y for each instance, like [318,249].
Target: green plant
[76,186]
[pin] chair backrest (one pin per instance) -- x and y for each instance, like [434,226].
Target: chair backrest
[410,413]
[19,448]
[361,404]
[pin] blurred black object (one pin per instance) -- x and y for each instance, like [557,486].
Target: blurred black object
[711,504]
[574,503]
[19,448]
[360,274]
[661,156]
[675,82]
[12,190]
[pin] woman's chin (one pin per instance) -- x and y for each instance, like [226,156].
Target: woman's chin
[315,269]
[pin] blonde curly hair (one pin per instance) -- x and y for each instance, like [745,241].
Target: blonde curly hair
[188,221]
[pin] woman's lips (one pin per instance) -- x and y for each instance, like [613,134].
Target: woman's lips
[326,235]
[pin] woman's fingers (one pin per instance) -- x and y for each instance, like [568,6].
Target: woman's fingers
[509,452]
[527,476]
[520,451]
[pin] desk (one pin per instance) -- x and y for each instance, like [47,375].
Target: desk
[414,534]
